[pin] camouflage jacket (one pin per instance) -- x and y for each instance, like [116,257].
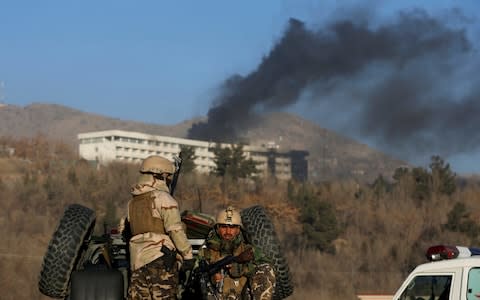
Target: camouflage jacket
[236,275]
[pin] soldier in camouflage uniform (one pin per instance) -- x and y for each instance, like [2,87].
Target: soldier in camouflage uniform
[251,280]
[154,220]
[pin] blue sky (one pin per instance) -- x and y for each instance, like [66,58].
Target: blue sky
[155,61]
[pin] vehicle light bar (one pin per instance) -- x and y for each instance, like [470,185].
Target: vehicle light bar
[440,252]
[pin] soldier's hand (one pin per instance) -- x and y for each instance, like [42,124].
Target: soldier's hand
[217,277]
[188,264]
[169,258]
[245,256]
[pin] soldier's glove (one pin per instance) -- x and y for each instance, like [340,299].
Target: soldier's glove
[188,264]
[235,270]
[245,256]
[169,258]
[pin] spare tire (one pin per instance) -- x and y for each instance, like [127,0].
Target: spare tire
[262,234]
[64,250]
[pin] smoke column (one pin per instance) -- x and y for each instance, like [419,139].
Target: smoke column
[410,85]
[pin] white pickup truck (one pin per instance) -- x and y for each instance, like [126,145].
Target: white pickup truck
[452,273]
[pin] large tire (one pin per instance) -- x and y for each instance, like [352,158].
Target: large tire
[64,250]
[262,234]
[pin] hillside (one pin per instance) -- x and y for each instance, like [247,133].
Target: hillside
[331,155]
[64,123]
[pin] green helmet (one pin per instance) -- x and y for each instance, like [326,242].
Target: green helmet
[157,165]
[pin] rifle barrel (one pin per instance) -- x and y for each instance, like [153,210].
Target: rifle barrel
[217,266]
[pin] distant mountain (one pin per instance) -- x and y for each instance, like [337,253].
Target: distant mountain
[61,122]
[330,155]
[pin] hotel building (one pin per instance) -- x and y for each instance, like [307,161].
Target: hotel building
[103,147]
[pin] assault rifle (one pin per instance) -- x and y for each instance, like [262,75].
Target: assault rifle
[199,286]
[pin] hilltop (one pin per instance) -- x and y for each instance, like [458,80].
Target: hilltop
[330,155]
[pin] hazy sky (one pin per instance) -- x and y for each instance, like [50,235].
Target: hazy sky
[164,61]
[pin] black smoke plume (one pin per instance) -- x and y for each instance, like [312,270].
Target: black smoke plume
[408,85]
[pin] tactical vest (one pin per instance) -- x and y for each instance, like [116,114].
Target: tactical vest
[233,286]
[140,215]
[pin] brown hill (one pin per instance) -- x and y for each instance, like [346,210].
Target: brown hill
[60,122]
[330,155]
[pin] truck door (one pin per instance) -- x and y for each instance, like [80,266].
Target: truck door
[473,284]
[428,287]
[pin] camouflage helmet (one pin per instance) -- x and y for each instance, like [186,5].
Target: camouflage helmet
[157,165]
[229,216]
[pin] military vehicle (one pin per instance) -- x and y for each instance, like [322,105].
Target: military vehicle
[79,265]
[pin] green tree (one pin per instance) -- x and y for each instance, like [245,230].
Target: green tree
[380,186]
[400,173]
[458,220]
[422,181]
[320,226]
[188,159]
[439,179]
[443,179]
[231,162]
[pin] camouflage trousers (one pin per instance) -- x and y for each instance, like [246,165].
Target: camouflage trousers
[261,285]
[153,281]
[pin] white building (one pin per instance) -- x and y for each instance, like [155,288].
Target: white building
[118,145]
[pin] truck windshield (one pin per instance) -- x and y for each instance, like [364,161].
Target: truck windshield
[427,287]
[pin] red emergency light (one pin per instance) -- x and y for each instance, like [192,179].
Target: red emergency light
[440,252]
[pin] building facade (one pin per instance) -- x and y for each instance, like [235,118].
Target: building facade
[104,147]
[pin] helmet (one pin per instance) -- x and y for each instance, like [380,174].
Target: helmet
[157,164]
[229,216]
